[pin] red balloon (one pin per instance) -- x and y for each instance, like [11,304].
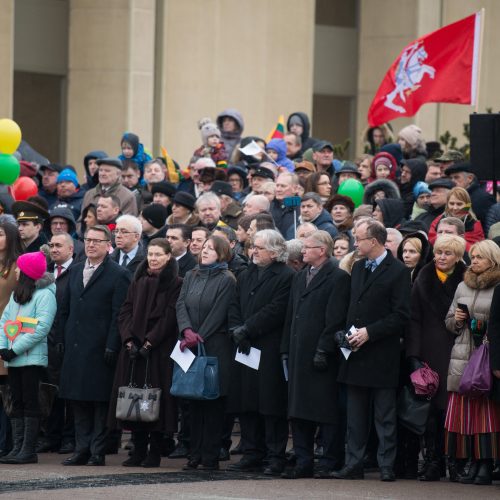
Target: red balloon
[23,188]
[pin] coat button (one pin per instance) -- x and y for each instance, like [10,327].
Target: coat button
[252,293]
[297,317]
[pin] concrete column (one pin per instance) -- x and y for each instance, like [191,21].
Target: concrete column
[253,55]
[110,74]
[6,57]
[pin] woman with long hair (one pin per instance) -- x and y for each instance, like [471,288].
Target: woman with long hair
[319,182]
[202,316]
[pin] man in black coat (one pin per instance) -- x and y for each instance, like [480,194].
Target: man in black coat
[316,310]
[88,326]
[179,237]
[129,252]
[257,315]
[379,311]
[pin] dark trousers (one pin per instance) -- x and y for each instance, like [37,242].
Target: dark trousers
[184,434]
[227,431]
[90,426]
[359,401]
[207,422]
[61,423]
[264,436]
[303,432]
[24,385]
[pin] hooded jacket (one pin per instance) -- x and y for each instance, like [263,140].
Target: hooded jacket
[231,139]
[418,171]
[140,156]
[279,145]
[307,141]
[425,255]
[92,180]
[392,211]
[388,187]
[73,203]
[369,145]
[38,315]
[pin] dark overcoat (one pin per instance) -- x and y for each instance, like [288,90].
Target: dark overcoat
[88,325]
[427,337]
[203,306]
[260,303]
[494,337]
[380,302]
[314,314]
[134,263]
[148,314]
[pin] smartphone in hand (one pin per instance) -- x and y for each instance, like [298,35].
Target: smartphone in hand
[463,308]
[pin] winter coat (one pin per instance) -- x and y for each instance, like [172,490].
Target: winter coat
[279,145]
[428,217]
[494,338]
[368,144]
[388,187]
[260,304]
[315,313]
[87,325]
[476,291]
[392,211]
[148,314]
[481,201]
[427,337]
[237,264]
[418,171]
[203,306]
[232,215]
[36,317]
[187,262]
[324,222]
[66,213]
[284,218]
[231,139]
[307,141]
[218,153]
[492,217]
[92,180]
[132,265]
[380,302]
[73,203]
[128,203]
[473,231]
[7,283]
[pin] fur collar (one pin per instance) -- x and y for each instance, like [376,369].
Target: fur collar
[482,281]
[166,277]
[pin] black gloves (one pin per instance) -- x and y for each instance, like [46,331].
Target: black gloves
[244,346]
[239,333]
[133,351]
[145,351]
[7,354]
[341,340]
[110,357]
[320,360]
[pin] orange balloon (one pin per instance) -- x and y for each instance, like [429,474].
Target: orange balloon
[23,188]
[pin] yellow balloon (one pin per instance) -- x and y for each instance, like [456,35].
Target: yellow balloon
[10,136]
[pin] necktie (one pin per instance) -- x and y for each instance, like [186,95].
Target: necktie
[59,270]
[311,274]
[125,260]
[370,264]
[88,271]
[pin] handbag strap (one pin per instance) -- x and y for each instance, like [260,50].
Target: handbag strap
[132,371]
[201,349]
[146,376]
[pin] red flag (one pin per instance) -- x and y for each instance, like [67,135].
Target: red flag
[439,67]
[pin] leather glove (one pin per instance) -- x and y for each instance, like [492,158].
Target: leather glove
[133,351]
[191,339]
[145,351]
[341,340]
[244,346]
[320,360]
[239,333]
[7,354]
[110,357]
[414,363]
[59,347]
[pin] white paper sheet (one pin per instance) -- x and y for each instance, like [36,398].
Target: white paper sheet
[183,359]
[252,360]
[346,352]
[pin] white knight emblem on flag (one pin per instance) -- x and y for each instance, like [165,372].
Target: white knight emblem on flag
[409,74]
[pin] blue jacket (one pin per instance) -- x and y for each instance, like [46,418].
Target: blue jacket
[38,314]
[279,145]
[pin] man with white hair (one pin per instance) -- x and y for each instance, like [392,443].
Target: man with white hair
[256,204]
[128,252]
[209,210]
[193,185]
[394,238]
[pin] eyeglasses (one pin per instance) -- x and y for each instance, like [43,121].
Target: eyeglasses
[255,247]
[357,240]
[309,248]
[94,241]
[123,231]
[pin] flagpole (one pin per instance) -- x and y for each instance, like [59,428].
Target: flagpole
[481,36]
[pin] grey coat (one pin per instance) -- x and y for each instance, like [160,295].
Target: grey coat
[203,306]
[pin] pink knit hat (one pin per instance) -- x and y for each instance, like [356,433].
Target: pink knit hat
[32,264]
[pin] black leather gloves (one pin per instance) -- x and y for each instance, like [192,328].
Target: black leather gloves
[320,360]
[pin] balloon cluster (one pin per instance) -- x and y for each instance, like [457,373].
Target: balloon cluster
[10,138]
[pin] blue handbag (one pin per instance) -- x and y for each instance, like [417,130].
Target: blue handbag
[201,381]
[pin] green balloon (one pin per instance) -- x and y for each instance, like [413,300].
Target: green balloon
[354,190]
[9,169]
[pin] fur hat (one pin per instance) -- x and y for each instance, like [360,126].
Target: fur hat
[32,264]
[208,130]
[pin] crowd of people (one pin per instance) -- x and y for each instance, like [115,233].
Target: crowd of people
[345,298]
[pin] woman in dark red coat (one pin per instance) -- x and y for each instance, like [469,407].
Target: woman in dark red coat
[148,330]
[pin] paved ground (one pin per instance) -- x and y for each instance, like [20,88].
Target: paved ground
[50,480]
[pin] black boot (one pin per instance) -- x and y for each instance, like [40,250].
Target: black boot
[153,457]
[471,475]
[140,449]
[455,469]
[17,425]
[28,455]
[432,471]
[484,473]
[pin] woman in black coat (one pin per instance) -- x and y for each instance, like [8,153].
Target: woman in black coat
[429,341]
[257,315]
[148,329]
[494,337]
[202,311]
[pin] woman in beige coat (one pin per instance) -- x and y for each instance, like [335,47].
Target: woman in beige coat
[472,424]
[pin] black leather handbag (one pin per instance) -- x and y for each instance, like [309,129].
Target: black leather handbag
[413,410]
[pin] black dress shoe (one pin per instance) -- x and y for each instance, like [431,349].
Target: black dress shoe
[246,465]
[180,451]
[192,464]
[387,474]
[46,447]
[471,475]
[274,468]
[66,448]
[224,455]
[77,459]
[484,473]
[348,472]
[323,472]
[97,460]
[209,467]
[298,472]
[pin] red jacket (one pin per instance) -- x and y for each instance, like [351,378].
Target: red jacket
[473,231]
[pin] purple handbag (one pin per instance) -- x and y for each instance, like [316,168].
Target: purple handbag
[477,378]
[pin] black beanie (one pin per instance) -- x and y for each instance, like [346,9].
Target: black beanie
[155,214]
